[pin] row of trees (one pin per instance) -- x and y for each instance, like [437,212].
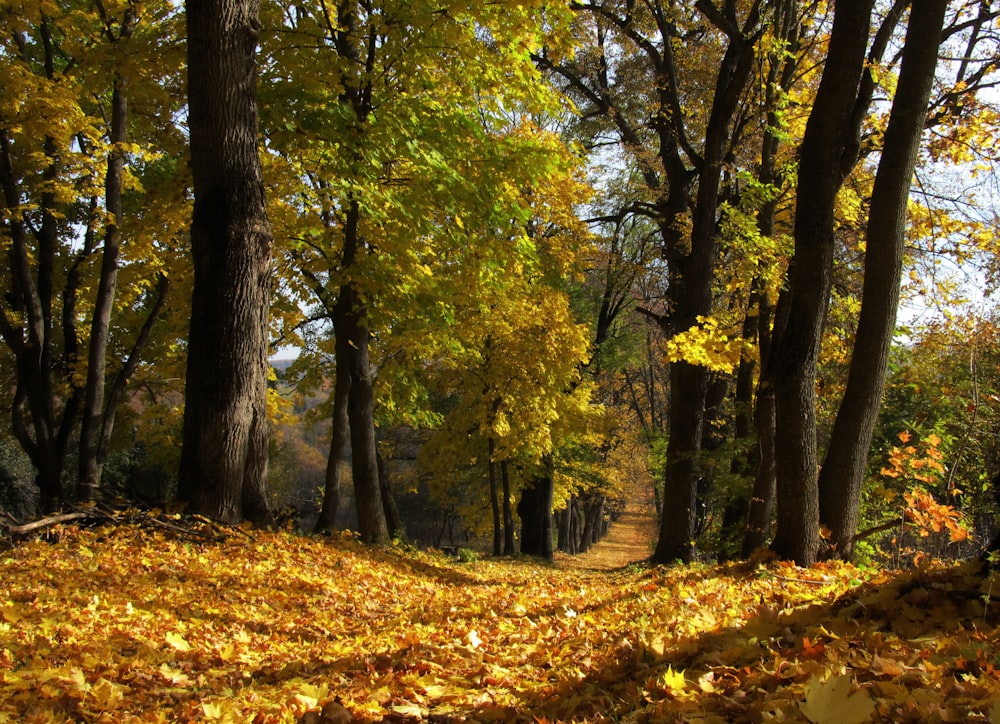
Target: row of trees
[556,236]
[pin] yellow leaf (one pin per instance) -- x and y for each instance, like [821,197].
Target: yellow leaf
[212,710]
[11,613]
[107,694]
[410,710]
[830,701]
[178,641]
[673,680]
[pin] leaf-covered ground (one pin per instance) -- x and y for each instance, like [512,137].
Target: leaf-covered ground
[126,624]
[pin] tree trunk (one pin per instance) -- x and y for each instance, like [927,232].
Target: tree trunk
[339,438]
[713,438]
[223,471]
[844,466]
[691,297]
[563,542]
[90,463]
[535,510]
[593,517]
[508,511]
[825,157]
[760,509]
[688,385]
[393,520]
[495,500]
[762,498]
[589,519]
[28,332]
[569,534]
[352,322]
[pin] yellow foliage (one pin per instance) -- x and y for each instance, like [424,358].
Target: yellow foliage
[707,344]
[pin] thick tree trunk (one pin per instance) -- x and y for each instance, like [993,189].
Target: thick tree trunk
[691,297]
[351,318]
[844,467]
[825,157]
[688,385]
[535,510]
[563,542]
[224,458]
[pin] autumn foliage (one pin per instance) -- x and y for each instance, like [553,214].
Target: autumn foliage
[133,624]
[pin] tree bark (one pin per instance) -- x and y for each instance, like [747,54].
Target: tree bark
[688,385]
[494,499]
[92,424]
[691,296]
[224,457]
[566,542]
[824,159]
[508,511]
[844,466]
[535,510]
[760,509]
[352,323]
[339,438]
[393,520]
[762,497]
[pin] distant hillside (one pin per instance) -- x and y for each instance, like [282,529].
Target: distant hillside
[281,364]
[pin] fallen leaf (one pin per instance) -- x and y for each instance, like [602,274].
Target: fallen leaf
[830,701]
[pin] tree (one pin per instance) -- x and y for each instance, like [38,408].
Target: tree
[224,457]
[831,148]
[402,137]
[844,464]
[70,165]
[826,155]
[633,74]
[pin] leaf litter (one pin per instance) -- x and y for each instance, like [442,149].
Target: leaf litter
[125,624]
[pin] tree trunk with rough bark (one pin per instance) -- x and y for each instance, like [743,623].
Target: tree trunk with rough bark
[339,439]
[688,386]
[90,462]
[223,471]
[351,318]
[825,157]
[844,466]
[535,510]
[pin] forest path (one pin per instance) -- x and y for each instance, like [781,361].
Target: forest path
[630,539]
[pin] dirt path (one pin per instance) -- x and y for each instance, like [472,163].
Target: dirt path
[630,538]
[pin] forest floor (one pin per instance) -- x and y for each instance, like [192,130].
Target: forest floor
[138,623]
[630,538]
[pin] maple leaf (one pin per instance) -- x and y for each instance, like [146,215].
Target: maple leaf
[673,681]
[830,701]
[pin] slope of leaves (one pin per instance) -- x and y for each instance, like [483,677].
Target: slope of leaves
[126,624]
